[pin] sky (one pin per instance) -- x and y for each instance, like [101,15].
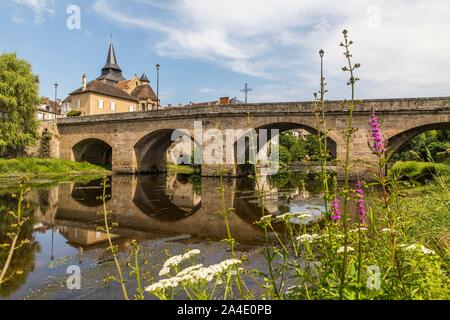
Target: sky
[210,48]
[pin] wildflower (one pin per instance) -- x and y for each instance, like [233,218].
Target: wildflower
[209,273]
[265,218]
[308,238]
[360,208]
[189,270]
[388,230]
[295,218]
[283,216]
[359,229]
[194,275]
[164,284]
[342,249]
[377,144]
[176,260]
[427,251]
[418,247]
[164,271]
[265,221]
[335,210]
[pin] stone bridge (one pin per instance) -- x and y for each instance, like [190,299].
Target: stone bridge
[136,142]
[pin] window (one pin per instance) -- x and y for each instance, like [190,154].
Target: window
[100,104]
[113,106]
[131,108]
[78,104]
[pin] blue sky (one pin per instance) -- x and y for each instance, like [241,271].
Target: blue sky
[211,48]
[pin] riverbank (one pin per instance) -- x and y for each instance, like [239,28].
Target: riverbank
[182,169]
[12,170]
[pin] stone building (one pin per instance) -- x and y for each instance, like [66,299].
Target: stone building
[48,110]
[111,92]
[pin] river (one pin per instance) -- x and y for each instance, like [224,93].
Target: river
[166,214]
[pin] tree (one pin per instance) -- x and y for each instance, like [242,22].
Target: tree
[298,150]
[428,146]
[19,99]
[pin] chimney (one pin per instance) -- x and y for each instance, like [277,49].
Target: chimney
[84,82]
[224,101]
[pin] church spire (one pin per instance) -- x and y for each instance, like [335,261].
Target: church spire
[111,72]
[111,61]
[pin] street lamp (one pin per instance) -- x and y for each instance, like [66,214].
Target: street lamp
[56,97]
[158,66]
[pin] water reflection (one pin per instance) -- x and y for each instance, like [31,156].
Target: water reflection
[64,218]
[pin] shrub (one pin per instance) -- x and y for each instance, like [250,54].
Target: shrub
[419,171]
[74,113]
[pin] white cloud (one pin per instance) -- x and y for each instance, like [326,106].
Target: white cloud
[403,45]
[41,8]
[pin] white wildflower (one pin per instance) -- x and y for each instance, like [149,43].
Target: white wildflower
[427,251]
[359,229]
[189,270]
[164,271]
[308,238]
[296,218]
[388,230]
[164,284]
[265,218]
[176,260]
[419,248]
[342,249]
[194,275]
[283,216]
[209,273]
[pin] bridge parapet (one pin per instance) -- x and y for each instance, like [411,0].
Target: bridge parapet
[409,105]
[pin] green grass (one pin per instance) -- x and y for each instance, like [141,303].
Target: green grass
[46,168]
[426,216]
[182,169]
[419,171]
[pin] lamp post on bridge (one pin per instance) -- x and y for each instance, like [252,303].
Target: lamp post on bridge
[158,67]
[56,97]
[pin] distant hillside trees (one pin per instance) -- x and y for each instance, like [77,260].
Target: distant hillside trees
[19,99]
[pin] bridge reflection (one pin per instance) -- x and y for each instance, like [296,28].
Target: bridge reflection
[149,206]
[152,207]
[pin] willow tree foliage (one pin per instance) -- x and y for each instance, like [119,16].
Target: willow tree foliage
[19,99]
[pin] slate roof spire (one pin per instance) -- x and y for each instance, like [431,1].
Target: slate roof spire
[144,78]
[111,72]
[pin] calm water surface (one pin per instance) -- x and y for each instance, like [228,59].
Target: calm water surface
[166,214]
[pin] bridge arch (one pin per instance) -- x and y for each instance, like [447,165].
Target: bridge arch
[397,141]
[87,194]
[151,151]
[166,198]
[94,151]
[282,126]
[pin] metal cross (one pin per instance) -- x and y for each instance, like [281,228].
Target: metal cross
[246,90]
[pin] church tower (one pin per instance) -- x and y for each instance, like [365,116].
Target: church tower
[111,72]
